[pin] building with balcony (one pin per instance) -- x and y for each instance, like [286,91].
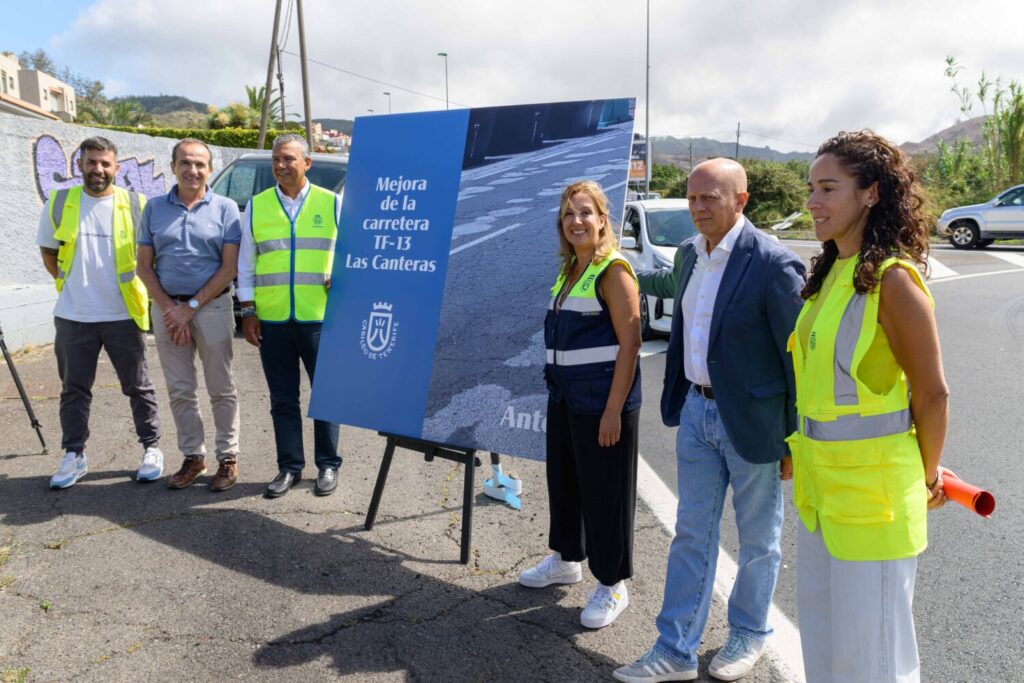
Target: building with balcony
[11,101]
[48,93]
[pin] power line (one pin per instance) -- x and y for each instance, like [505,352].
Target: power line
[374,80]
[769,137]
[282,41]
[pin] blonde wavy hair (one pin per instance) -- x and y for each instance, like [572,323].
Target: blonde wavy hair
[608,239]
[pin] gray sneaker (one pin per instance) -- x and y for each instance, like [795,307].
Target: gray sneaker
[736,658]
[73,466]
[653,667]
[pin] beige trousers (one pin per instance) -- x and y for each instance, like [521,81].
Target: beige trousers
[213,329]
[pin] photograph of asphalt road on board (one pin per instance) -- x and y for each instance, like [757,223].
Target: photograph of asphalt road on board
[487,388]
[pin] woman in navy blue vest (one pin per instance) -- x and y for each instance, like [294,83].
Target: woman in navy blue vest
[592,335]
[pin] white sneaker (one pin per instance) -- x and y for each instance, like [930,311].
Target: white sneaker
[152,465]
[736,658]
[551,570]
[72,468]
[606,603]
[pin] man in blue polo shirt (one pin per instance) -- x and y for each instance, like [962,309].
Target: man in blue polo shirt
[188,255]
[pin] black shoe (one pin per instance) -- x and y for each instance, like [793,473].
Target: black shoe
[326,482]
[282,482]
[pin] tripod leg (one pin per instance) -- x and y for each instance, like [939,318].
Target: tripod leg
[21,391]
[378,489]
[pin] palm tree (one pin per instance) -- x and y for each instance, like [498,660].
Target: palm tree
[114,113]
[255,97]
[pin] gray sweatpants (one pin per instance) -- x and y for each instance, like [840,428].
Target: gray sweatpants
[77,346]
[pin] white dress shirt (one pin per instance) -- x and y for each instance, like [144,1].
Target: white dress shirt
[699,302]
[247,250]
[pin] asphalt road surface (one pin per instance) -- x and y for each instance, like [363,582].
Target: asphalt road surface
[970,582]
[490,348]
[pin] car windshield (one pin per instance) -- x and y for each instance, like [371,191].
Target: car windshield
[669,227]
[248,177]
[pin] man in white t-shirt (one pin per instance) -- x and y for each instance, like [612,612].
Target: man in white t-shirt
[87,239]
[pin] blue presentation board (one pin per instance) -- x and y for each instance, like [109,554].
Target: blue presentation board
[446,254]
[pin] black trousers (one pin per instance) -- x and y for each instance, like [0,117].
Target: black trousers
[592,492]
[77,347]
[283,347]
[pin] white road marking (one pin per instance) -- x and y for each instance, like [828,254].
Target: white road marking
[936,269]
[974,275]
[1009,257]
[477,241]
[784,644]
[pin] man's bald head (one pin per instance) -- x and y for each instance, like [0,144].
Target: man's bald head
[717,192]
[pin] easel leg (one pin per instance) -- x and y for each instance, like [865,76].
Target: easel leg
[467,507]
[378,489]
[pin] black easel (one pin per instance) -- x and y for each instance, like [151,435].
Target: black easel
[430,450]
[21,390]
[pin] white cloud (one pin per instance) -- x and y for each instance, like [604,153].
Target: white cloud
[794,70]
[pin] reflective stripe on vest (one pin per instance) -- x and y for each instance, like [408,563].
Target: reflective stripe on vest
[293,258]
[600,354]
[857,464]
[64,215]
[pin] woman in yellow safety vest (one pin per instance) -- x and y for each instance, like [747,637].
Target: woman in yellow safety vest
[592,339]
[872,404]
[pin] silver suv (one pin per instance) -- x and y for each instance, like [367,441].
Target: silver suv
[250,174]
[978,225]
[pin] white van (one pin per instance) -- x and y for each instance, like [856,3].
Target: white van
[651,232]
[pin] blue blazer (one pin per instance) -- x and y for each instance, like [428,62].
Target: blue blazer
[751,372]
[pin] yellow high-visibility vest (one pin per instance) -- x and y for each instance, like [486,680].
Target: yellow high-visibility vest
[64,208]
[857,465]
[293,260]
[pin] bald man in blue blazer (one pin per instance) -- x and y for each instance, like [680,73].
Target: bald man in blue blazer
[729,388]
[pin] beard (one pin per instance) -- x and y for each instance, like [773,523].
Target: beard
[98,184]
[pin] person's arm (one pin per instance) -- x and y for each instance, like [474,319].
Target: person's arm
[783,304]
[662,283]
[47,245]
[905,313]
[247,278]
[620,294]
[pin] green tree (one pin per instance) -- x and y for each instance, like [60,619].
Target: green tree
[120,112]
[255,97]
[776,189]
[38,60]
[664,176]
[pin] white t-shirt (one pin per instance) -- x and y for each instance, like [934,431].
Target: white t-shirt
[91,293]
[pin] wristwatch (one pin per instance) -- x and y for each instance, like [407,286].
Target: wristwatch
[193,304]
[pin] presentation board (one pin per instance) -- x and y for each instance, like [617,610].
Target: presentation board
[444,263]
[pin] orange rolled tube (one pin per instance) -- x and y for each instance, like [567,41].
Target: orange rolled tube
[971,497]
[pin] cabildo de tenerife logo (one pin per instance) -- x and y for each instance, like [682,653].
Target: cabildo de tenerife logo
[379,332]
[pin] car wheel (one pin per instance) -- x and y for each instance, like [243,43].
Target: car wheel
[964,235]
[984,243]
[646,331]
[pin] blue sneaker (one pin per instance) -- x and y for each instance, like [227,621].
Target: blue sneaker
[73,466]
[736,658]
[654,667]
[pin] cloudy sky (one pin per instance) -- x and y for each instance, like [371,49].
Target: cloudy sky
[792,72]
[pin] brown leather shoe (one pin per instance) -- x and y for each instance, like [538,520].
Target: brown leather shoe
[227,475]
[192,467]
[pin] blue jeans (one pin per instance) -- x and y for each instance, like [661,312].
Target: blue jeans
[706,464]
[282,348]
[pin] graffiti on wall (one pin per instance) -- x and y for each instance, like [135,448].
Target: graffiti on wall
[54,171]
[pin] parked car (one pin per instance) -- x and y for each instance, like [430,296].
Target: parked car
[250,174]
[978,225]
[652,229]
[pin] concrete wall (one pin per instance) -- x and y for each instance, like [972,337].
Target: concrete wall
[37,157]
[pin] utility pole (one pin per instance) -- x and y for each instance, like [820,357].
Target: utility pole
[305,74]
[691,155]
[280,88]
[736,156]
[647,106]
[265,112]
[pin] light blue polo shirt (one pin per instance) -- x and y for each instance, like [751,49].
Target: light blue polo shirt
[188,242]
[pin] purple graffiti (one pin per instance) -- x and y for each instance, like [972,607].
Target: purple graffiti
[53,171]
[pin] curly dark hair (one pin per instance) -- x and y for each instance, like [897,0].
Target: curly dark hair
[897,225]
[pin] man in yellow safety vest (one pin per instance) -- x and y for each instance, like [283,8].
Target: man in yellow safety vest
[284,272]
[86,236]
